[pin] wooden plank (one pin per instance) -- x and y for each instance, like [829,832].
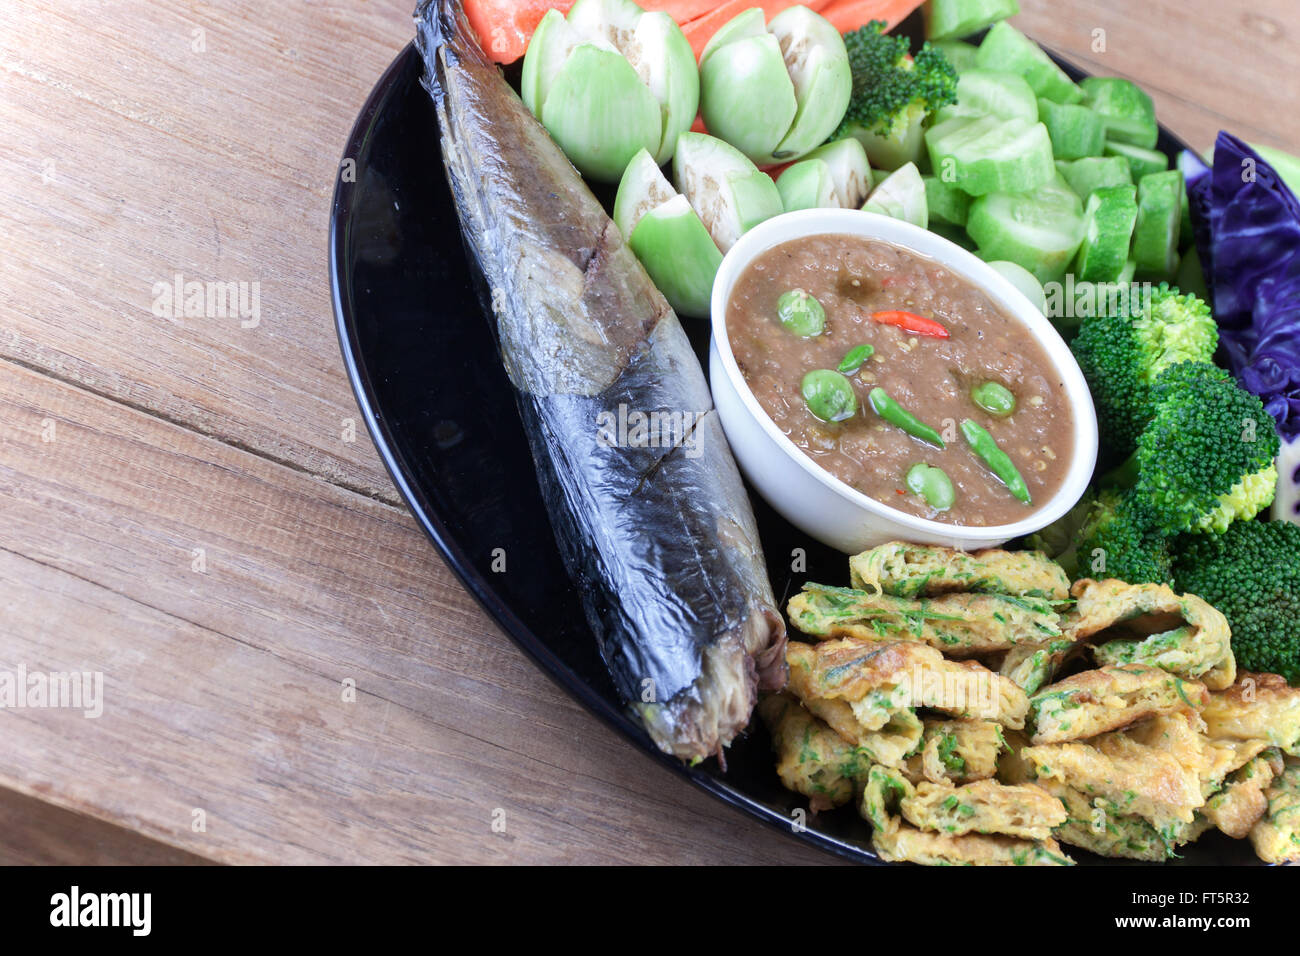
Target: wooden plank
[1208,65]
[224,687]
[215,164]
[33,832]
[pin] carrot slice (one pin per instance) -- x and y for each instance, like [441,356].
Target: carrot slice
[683,11]
[504,27]
[700,30]
[846,15]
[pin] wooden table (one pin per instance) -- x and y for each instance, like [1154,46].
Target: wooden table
[191,507]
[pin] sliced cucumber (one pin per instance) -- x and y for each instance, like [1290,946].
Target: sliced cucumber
[1155,237]
[1006,48]
[953,19]
[1076,131]
[1040,229]
[807,185]
[991,93]
[1109,218]
[1141,161]
[961,55]
[946,202]
[901,195]
[1095,172]
[1127,111]
[728,192]
[1024,280]
[850,171]
[668,237]
[985,154]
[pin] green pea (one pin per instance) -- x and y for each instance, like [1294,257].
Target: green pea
[800,313]
[932,484]
[855,357]
[994,398]
[829,395]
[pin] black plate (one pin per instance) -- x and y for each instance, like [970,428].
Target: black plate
[437,403]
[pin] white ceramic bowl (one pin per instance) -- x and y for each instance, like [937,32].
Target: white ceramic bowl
[811,498]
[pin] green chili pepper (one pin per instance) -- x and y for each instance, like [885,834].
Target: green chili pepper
[932,484]
[855,357]
[829,395]
[994,398]
[997,461]
[896,414]
[800,313]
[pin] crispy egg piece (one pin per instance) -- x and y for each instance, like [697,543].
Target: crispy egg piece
[877,678]
[1109,698]
[1241,803]
[1031,666]
[984,806]
[812,759]
[888,736]
[1256,707]
[1276,836]
[907,844]
[957,751]
[895,841]
[959,625]
[913,570]
[1151,770]
[1151,624]
[1097,824]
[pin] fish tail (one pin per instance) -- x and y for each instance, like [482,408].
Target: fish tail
[442,25]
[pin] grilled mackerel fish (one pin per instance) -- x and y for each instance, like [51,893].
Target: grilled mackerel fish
[657,532]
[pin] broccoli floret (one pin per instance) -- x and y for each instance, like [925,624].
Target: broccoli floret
[892,93]
[1119,540]
[1252,574]
[1108,534]
[1122,354]
[1208,456]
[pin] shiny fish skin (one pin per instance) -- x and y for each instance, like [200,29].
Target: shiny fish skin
[661,541]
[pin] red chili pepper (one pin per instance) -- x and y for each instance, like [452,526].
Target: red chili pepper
[911,322]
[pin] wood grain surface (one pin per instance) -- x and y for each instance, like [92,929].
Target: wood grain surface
[191,508]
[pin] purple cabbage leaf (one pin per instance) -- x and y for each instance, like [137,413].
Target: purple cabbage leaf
[1247,224]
